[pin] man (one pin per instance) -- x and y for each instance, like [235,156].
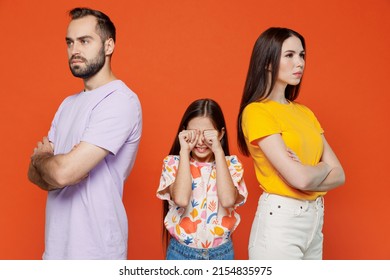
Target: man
[90,150]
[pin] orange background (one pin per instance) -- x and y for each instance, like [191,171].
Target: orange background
[173,52]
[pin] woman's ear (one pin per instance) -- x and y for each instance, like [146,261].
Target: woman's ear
[221,134]
[109,46]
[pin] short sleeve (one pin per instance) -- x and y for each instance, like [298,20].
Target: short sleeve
[52,131]
[168,176]
[53,128]
[113,121]
[258,122]
[237,173]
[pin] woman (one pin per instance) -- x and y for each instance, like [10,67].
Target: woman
[295,166]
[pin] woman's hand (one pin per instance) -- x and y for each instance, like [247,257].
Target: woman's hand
[293,155]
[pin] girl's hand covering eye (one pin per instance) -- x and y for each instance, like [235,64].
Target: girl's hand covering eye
[188,139]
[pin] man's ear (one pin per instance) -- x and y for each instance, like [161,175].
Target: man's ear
[109,46]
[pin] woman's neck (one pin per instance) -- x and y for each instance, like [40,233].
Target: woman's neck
[278,94]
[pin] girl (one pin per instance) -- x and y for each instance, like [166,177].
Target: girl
[203,185]
[294,164]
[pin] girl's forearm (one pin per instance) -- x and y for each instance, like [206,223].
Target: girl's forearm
[226,191]
[182,187]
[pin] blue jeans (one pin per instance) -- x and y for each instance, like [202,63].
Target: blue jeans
[178,251]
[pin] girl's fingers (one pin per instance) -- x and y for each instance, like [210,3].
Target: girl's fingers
[189,136]
[196,136]
[193,136]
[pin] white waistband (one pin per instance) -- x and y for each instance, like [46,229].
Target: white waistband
[292,202]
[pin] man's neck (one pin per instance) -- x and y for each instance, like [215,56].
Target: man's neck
[104,76]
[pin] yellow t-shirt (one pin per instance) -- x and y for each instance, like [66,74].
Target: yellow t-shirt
[300,131]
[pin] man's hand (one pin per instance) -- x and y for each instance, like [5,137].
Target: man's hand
[44,149]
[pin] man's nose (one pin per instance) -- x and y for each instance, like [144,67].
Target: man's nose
[75,48]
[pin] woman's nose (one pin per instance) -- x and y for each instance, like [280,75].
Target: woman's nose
[300,62]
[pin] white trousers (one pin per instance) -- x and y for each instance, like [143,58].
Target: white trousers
[287,229]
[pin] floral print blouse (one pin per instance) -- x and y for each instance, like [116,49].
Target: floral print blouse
[204,223]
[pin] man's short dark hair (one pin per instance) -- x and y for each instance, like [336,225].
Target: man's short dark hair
[105,26]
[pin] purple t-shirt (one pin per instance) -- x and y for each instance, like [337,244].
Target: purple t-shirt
[88,220]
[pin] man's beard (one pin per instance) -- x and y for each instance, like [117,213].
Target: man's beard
[91,67]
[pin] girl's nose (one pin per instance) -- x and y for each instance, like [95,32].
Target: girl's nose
[201,139]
